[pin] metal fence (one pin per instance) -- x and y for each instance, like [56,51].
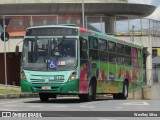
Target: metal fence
[123,26]
[156,73]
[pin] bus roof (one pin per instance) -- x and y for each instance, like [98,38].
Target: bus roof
[110,38]
[96,34]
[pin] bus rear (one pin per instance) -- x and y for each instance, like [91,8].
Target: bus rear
[50,61]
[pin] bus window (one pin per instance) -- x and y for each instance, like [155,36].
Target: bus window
[127,60]
[120,59]
[134,53]
[120,48]
[112,57]
[111,46]
[83,48]
[103,50]
[120,53]
[93,45]
[127,50]
[139,53]
[102,45]
[93,42]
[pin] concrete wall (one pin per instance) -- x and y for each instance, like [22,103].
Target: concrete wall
[144,40]
[147,93]
[11,44]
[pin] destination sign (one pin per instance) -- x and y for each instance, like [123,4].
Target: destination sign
[54,31]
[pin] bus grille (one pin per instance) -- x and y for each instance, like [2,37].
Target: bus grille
[41,79]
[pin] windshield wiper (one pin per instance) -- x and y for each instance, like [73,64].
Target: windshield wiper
[63,38]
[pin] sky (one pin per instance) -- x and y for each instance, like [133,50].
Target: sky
[156,13]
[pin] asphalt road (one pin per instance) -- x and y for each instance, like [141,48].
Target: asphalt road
[71,107]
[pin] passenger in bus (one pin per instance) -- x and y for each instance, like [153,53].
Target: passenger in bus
[68,51]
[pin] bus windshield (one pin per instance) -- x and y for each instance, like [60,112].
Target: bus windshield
[49,54]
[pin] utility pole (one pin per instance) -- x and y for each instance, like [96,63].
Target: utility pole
[5,60]
[133,33]
[133,83]
[83,12]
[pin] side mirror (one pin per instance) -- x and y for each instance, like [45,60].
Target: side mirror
[17,50]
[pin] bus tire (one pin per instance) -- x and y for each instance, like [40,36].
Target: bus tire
[91,93]
[124,94]
[125,90]
[44,97]
[53,96]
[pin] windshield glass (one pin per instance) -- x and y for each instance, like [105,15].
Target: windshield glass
[49,54]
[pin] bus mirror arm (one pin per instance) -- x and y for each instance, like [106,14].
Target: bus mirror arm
[17,48]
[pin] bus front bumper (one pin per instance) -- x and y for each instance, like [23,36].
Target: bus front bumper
[71,87]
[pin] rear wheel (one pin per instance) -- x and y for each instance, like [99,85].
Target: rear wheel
[124,94]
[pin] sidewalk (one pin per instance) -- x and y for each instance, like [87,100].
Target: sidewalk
[2,86]
[8,92]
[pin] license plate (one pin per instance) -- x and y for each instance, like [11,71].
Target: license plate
[46,87]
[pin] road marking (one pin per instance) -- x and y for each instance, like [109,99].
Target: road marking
[9,105]
[87,106]
[60,106]
[11,102]
[119,107]
[88,103]
[105,119]
[136,103]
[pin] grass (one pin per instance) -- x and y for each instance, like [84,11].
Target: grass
[9,91]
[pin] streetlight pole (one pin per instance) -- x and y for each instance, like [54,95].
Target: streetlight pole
[133,33]
[5,63]
[83,12]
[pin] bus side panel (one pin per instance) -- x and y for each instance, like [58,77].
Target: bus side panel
[103,77]
[84,76]
[88,69]
[122,73]
[137,72]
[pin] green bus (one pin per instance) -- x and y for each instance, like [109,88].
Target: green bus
[69,60]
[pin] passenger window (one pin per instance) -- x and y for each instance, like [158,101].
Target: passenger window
[102,45]
[134,53]
[93,48]
[120,48]
[111,47]
[127,50]
[139,53]
[93,42]
[103,55]
[83,48]
[112,57]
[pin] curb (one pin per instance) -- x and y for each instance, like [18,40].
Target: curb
[22,95]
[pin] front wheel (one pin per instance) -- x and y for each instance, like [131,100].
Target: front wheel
[44,97]
[91,93]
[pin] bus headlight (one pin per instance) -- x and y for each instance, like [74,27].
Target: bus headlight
[73,76]
[23,76]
